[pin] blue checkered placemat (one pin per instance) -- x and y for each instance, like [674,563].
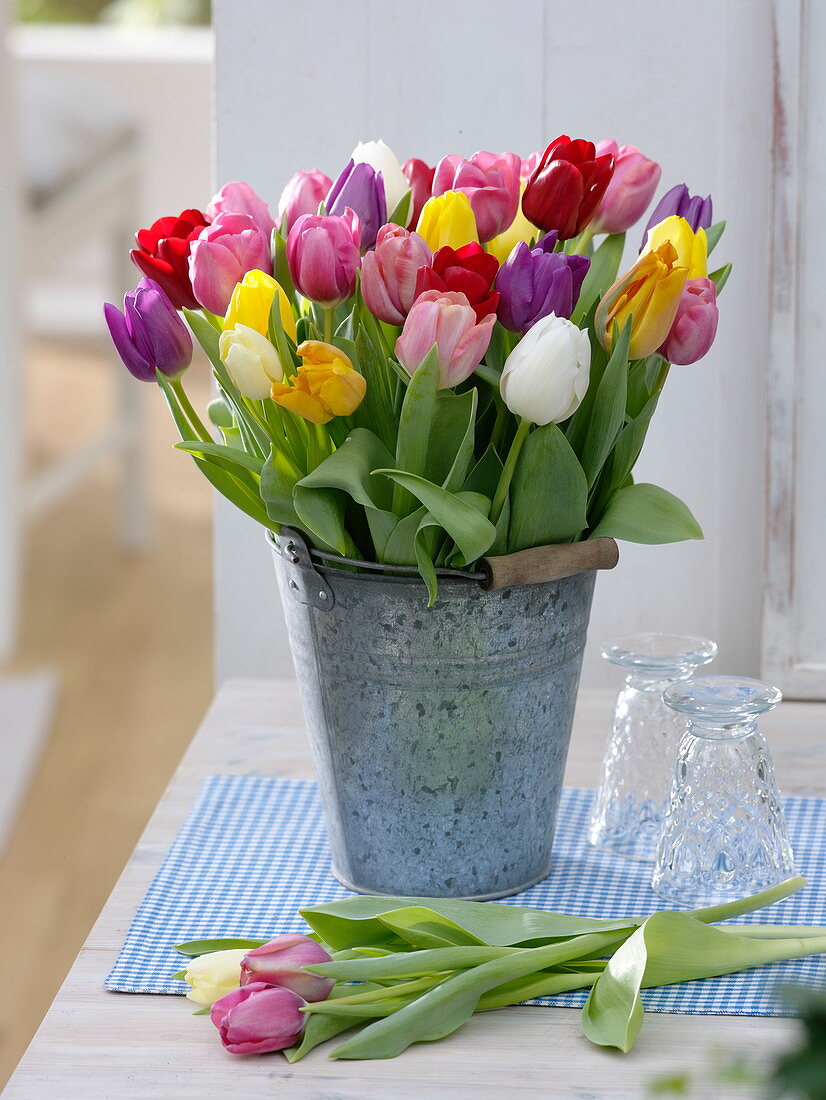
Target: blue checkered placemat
[253,851]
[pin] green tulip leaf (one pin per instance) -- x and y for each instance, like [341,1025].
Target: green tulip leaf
[321,511]
[720,276]
[377,411]
[601,275]
[451,441]
[484,477]
[226,457]
[400,215]
[608,412]
[207,336]
[415,420]
[647,514]
[193,948]
[319,1028]
[713,235]
[549,492]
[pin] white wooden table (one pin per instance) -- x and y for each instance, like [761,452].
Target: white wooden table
[94,1044]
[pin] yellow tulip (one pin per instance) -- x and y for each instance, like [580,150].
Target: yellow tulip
[649,293]
[520,229]
[214,975]
[251,303]
[325,385]
[692,248]
[447,220]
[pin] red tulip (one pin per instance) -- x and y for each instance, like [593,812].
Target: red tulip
[420,177]
[163,254]
[469,270]
[566,188]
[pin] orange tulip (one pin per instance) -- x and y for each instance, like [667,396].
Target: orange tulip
[649,293]
[326,384]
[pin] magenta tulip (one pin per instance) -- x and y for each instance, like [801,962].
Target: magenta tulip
[695,326]
[258,1018]
[491,183]
[630,189]
[324,256]
[239,198]
[388,273]
[222,255]
[303,194]
[281,962]
[447,320]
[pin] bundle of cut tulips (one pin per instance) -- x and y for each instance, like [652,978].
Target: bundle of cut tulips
[397,971]
[417,366]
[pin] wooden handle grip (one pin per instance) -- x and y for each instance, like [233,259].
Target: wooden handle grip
[548,563]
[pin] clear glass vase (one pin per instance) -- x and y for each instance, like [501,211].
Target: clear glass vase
[724,834]
[639,759]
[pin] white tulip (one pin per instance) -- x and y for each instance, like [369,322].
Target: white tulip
[382,159]
[546,375]
[214,975]
[251,360]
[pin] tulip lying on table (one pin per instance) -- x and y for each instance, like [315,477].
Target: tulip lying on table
[410,970]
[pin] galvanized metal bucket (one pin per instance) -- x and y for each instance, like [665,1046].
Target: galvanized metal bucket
[439,734]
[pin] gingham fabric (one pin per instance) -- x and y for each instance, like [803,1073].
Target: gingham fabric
[253,851]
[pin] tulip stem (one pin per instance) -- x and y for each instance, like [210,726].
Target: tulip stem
[503,488]
[203,434]
[328,325]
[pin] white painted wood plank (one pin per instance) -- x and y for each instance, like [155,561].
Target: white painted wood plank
[95,1045]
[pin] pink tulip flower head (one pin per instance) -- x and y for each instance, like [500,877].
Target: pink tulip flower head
[630,189]
[447,320]
[258,1018]
[388,273]
[491,183]
[239,198]
[281,962]
[695,326]
[324,256]
[222,255]
[303,194]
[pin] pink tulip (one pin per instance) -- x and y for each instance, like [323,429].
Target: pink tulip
[239,198]
[302,195]
[530,164]
[420,177]
[258,1018]
[695,325]
[222,255]
[281,961]
[629,191]
[491,183]
[388,273]
[323,255]
[448,320]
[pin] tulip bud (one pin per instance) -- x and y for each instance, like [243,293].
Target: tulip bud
[239,198]
[420,177]
[447,219]
[468,270]
[491,183]
[149,335]
[448,321]
[361,189]
[695,325]
[630,189]
[281,962]
[691,246]
[251,360]
[649,293]
[383,161]
[222,255]
[326,384]
[323,256]
[534,282]
[388,273]
[545,377]
[214,975]
[259,1018]
[251,304]
[567,186]
[163,255]
[696,211]
[303,194]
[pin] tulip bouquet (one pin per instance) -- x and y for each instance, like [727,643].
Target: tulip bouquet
[396,971]
[418,366]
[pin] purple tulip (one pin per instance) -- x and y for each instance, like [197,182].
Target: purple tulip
[360,188]
[149,335]
[695,326]
[535,282]
[695,210]
[282,961]
[324,258]
[258,1018]
[222,255]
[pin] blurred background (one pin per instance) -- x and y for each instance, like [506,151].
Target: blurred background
[112,634]
[105,533]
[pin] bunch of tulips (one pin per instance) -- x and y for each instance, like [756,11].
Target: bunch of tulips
[397,971]
[420,365]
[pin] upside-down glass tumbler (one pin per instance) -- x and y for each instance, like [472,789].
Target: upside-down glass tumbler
[639,760]
[724,835]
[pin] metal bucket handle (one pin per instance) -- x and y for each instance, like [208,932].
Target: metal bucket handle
[532,566]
